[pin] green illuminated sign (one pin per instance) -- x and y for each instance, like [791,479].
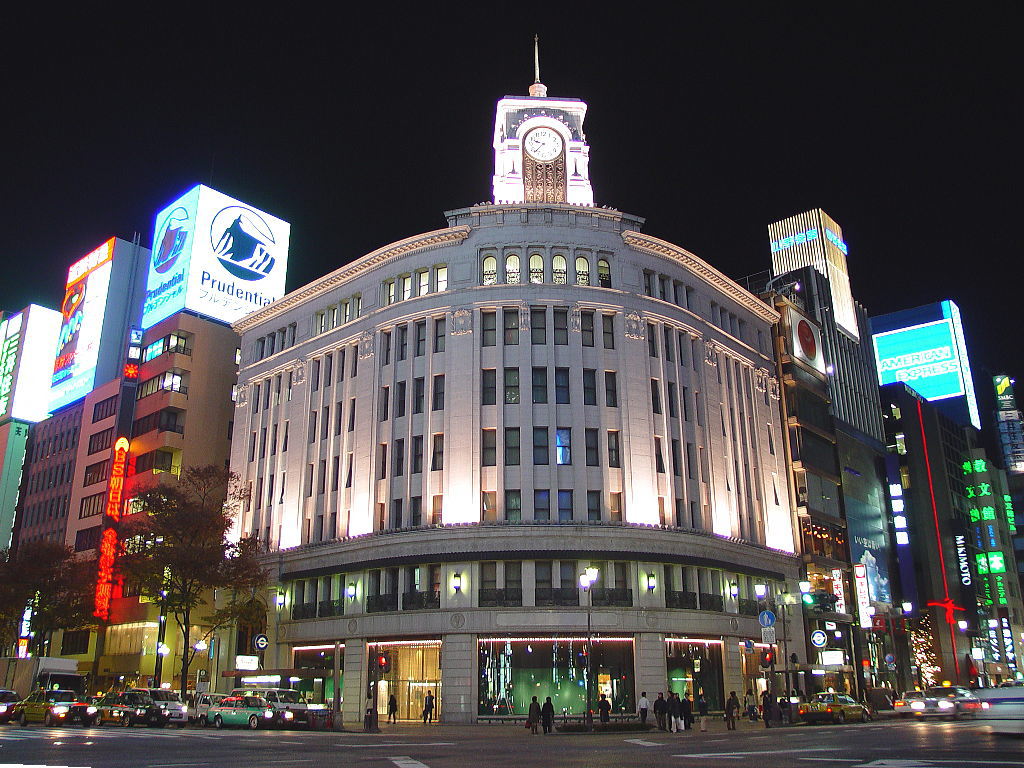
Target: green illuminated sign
[8,361]
[996,563]
[981,561]
[1011,519]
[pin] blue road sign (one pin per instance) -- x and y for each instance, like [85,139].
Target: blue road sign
[766,619]
[818,638]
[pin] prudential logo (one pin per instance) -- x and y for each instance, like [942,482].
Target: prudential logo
[171,239]
[243,242]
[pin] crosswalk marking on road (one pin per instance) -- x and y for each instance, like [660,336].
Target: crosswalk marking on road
[724,755]
[404,761]
[642,743]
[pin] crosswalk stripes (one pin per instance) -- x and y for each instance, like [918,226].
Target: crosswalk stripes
[35,734]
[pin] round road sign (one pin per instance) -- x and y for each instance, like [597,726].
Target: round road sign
[260,642]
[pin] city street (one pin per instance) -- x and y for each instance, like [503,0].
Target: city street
[875,745]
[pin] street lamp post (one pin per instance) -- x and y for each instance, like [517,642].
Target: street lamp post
[587,579]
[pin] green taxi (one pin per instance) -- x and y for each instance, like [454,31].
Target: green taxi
[247,712]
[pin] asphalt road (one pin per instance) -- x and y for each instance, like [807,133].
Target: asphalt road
[874,745]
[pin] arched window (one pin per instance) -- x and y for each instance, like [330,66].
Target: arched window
[582,271]
[512,268]
[490,270]
[558,269]
[604,273]
[536,268]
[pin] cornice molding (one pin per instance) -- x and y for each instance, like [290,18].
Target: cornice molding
[743,297]
[427,241]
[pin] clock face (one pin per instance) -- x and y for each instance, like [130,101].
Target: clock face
[543,144]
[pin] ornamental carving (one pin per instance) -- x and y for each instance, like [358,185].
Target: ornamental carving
[574,318]
[299,371]
[710,353]
[365,345]
[635,326]
[461,322]
[242,396]
[761,379]
[773,388]
[544,182]
[524,316]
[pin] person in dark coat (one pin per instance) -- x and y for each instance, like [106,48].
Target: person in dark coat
[604,707]
[660,711]
[392,709]
[547,715]
[687,708]
[428,707]
[766,708]
[702,712]
[533,716]
[732,711]
[675,713]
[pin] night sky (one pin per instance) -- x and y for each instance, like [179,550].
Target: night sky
[901,120]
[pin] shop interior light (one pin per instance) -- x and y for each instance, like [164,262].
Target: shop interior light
[651,581]
[761,591]
[908,607]
[805,586]
[963,625]
[734,589]
[280,599]
[201,646]
[350,590]
[457,581]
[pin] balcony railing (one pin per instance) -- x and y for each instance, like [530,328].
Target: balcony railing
[710,602]
[304,611]
[605,596]
[331,608]
[748,607]
[381,603]
[500,598]
[418,601]
[677,599]
[560,596]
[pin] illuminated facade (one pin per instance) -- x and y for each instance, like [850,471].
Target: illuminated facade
[440,436]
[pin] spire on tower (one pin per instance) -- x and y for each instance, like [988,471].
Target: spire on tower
[538,88]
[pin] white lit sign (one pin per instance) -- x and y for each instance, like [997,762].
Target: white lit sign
[27,342]
[839,590]
[247,663]
[832,658]
[82,311]
[963,563]
[216,256]
[860,580]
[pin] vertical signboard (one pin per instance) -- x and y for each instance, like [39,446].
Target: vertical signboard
[1005,398]
[860,581]
[839,590]
[109,541]
[216,256]
[82,313]
[805,340]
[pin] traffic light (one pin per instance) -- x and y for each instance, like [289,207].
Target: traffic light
[768,658]
[383,662]
[820,601]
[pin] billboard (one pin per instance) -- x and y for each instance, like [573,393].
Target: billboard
[27,341]
[216,256]
[805,340]
[1005,399]
[82,313]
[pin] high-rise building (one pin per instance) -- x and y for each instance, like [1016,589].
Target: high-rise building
[443,436]
[1010,428]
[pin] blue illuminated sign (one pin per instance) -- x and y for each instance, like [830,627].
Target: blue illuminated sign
[925,357]
[800,237]
[833,238]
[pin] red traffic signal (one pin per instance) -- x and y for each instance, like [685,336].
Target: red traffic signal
[384,662]
[767,658]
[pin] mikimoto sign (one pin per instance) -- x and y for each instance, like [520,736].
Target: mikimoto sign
[216,256]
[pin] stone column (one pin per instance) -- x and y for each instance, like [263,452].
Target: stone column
[354,683]
[732,668]
[458,678]
[649,665]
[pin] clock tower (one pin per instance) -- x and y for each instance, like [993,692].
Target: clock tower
[540,152]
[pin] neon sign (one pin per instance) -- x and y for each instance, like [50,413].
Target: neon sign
[833,238]
[860,579]
[799,238]
[108,543]
[963,561]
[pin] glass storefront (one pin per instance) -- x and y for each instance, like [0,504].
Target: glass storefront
[513,670]
[695,667]
[415,671]
[318,686]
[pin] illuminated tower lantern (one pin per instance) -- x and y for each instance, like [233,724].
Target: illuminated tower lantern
[443,435]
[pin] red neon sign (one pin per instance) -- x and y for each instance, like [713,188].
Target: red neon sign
[108,543]
[131,370]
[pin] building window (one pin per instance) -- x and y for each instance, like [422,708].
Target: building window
[437,401]
[417,455]
[97,473]
[488,386]
[440,278]
[565,511]
[590,443]
[673,408]
[439,330]
[593,505]
[418,392]
[422,282]
[542,505]
[563,445]
[652,340]
[92,505]
[615,507]
[420,343]
[103,440]
[540,385]
[611,389]
[587,328]
[511,446]
[399,457]
[562,385]
[403,342]
[608,331]
[488,506]
[382,461]
[589,386]
[561,326]
[385,348]
[385,399]
[558,269]
[536,268]
[513,505]
[400,388]
[614,454]
[104,409]
[511,386]
[488,447]
[437,455]
[488,322]
[677,460]
[540,445]
[416,511]
[604,273]
[655,396]
[510,325]
[538,326]
[490,270]
[659,459]
[512,268]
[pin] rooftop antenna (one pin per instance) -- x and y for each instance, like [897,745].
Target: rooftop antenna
[538,88]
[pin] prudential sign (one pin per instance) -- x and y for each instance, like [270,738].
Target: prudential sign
[216,256]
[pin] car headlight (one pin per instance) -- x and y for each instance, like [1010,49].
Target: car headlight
[268,713]
[3,708]
[140,711]
[287,715]
[944,704]
[60,709]
[917,705]
[90,710]
[184,708]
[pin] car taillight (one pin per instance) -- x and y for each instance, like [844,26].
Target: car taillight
[900,703]
[829,709]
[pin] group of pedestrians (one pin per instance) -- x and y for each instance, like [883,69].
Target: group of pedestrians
[676,713]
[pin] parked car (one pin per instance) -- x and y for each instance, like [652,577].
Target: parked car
[965,703]
[248,711]
[7,701]
[916,704]
[53,708]
[130,708]
[283,699]
[833,708]
[198,712]
[169,700]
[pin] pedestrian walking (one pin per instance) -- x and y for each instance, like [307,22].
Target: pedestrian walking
[392,709]
[642,706]
[702,712]
[604,707]
[750,705]
[675,713]
[687,709]
[661,711]
[732,710]
[766,708]
[428,707]
[533,717]
[547,715]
